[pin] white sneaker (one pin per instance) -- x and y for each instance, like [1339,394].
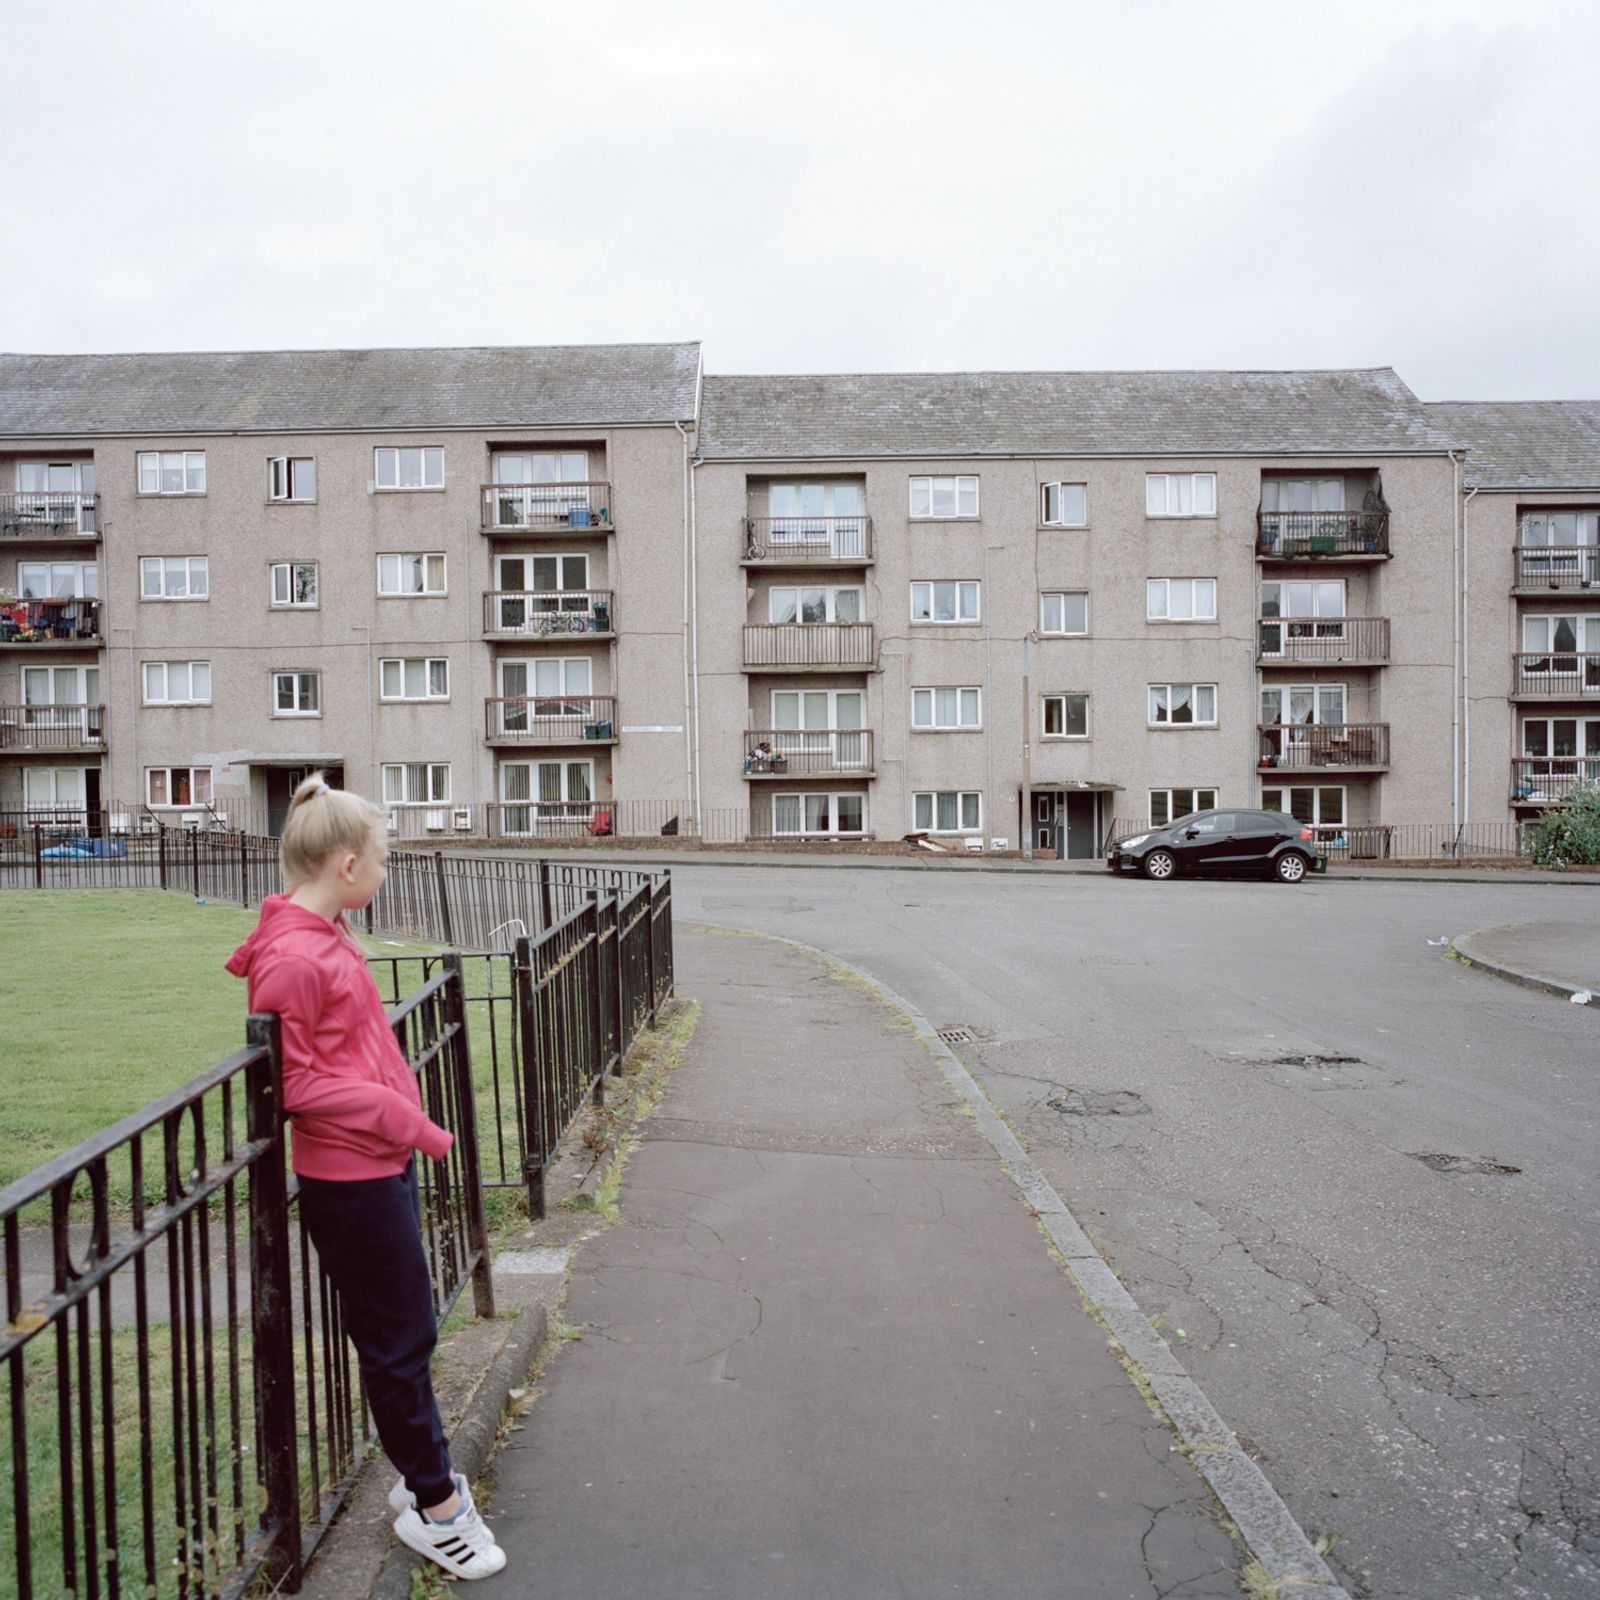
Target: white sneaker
[464,1547]
[402,1499]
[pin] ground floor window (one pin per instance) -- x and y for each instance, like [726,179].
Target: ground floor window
[539,795]
[1315,805]
[416,783]
[801,814]
[177,786]
[53,788]
[1167,805]
[948,811]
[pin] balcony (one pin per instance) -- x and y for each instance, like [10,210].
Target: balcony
[1322,535]
[563,616]
[47,518]
[28,729]
[1538,569]
[779,753]
[1550,780]
[809,647]
[43,624]
[807,541]
[1556,675]
[547,719]
[516,510]
[1324,746]
[1322,641]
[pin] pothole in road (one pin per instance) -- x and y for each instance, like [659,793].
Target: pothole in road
[1314,1061]
[1475,1166]
[1098,1103]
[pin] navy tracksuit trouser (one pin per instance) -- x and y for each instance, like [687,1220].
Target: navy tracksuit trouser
[368,1234]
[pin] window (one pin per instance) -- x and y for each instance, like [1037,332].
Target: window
[291,478]
[57,580]
[944,497]
[798,814]
[535,792]
[297,694]
[1314,806]
[177,786]
[947,811]
[1180,599]
[172,472]
[407,574]
[1559,753]
[409,468]
[831,514]
[53,788]
[541,466]
[1290,495]
[1183,705]
[1066,716]
[1301,703]
[944,602]
[416,783]
[1167,805]
[174,578]
[294,584]
[814,605]
[414,678]
[1564,633]
[1064,614]
[946,708]
[177,683]
[1180,494]
[57,493]
[1064,505]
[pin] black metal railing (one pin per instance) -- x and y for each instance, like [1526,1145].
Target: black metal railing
[537,506]
[1551,780]
[1557,674]
[1303,745]
[780,540]
[184,1415]
[1297,535]
[64,621]
[1290,641]
[551,718]
[1556,566]
[49,515]
[39,727]
[556,613]
[807,753]
[809,644]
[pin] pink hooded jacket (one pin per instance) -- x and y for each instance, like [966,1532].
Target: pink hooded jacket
[353,1102]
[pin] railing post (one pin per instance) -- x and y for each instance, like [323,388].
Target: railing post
[618,998]
[38,855]
[596,1019]
[194,858]
[650,951]
[532,1086]
[467,1137]
[272,1309]
[244,871]
[161,854]
[546,921]
[444,898]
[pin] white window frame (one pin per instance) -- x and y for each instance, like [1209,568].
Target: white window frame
[296,678]
[956,481]
[196,774]
[284,480]
[388,457]
[1166,690]
[932,586]
[830,602]
[33,778]
[1285,693]
[1285,793]
[166,698]
[1170,496]
[1197,793]
[288,569]
[435,777]
[1164,587]
[202,564]
[1044,717]
[85,580]
[1063,632]
[576,813]
[428,664]
[833,797]
[959,798]
[192,467]
[1060,520]
[427,557]
[962,724]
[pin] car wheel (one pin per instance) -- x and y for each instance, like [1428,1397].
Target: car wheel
[1159,864]
[1290,867]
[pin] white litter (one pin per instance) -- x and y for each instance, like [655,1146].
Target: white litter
[1582,998]
[1439,941]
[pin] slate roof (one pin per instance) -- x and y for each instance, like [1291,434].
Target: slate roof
[293,391]
[1527,444]
[1352,412]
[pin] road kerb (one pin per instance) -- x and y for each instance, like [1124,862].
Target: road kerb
[1459,951]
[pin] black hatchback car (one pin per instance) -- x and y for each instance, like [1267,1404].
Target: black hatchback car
[1268,844]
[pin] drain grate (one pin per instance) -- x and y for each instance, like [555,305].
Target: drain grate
[957,1035]
[1477,1166]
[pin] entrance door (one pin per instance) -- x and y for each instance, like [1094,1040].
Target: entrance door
[281,785]
[1046,820]
[1082,830]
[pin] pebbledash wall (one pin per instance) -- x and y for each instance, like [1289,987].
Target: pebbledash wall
[714,510]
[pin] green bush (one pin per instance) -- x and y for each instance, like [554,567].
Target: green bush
[1570,836]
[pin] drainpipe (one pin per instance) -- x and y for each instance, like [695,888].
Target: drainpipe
[1466,658]
[691,595]
[1455,651]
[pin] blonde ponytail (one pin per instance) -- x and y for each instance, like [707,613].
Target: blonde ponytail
[321,821]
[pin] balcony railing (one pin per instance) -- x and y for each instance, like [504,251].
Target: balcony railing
[1315,641]
[546,506]
[1549,780]
[1309,535]
[809,644]
[555,614]
[1557,566]
[52,727]
[807,753]
[50,622]
[1557,674]
[782,540]
[552,719]
[49,516]
[1301,746]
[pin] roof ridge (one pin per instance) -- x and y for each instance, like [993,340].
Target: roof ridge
[346,350]
[1076,372]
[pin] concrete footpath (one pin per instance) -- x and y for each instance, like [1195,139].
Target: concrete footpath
[829,1350]
[1561,958]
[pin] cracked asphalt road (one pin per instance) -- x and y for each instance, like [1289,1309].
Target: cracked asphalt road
[1408,1346]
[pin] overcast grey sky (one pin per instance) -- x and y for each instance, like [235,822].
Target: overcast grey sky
[824,187]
